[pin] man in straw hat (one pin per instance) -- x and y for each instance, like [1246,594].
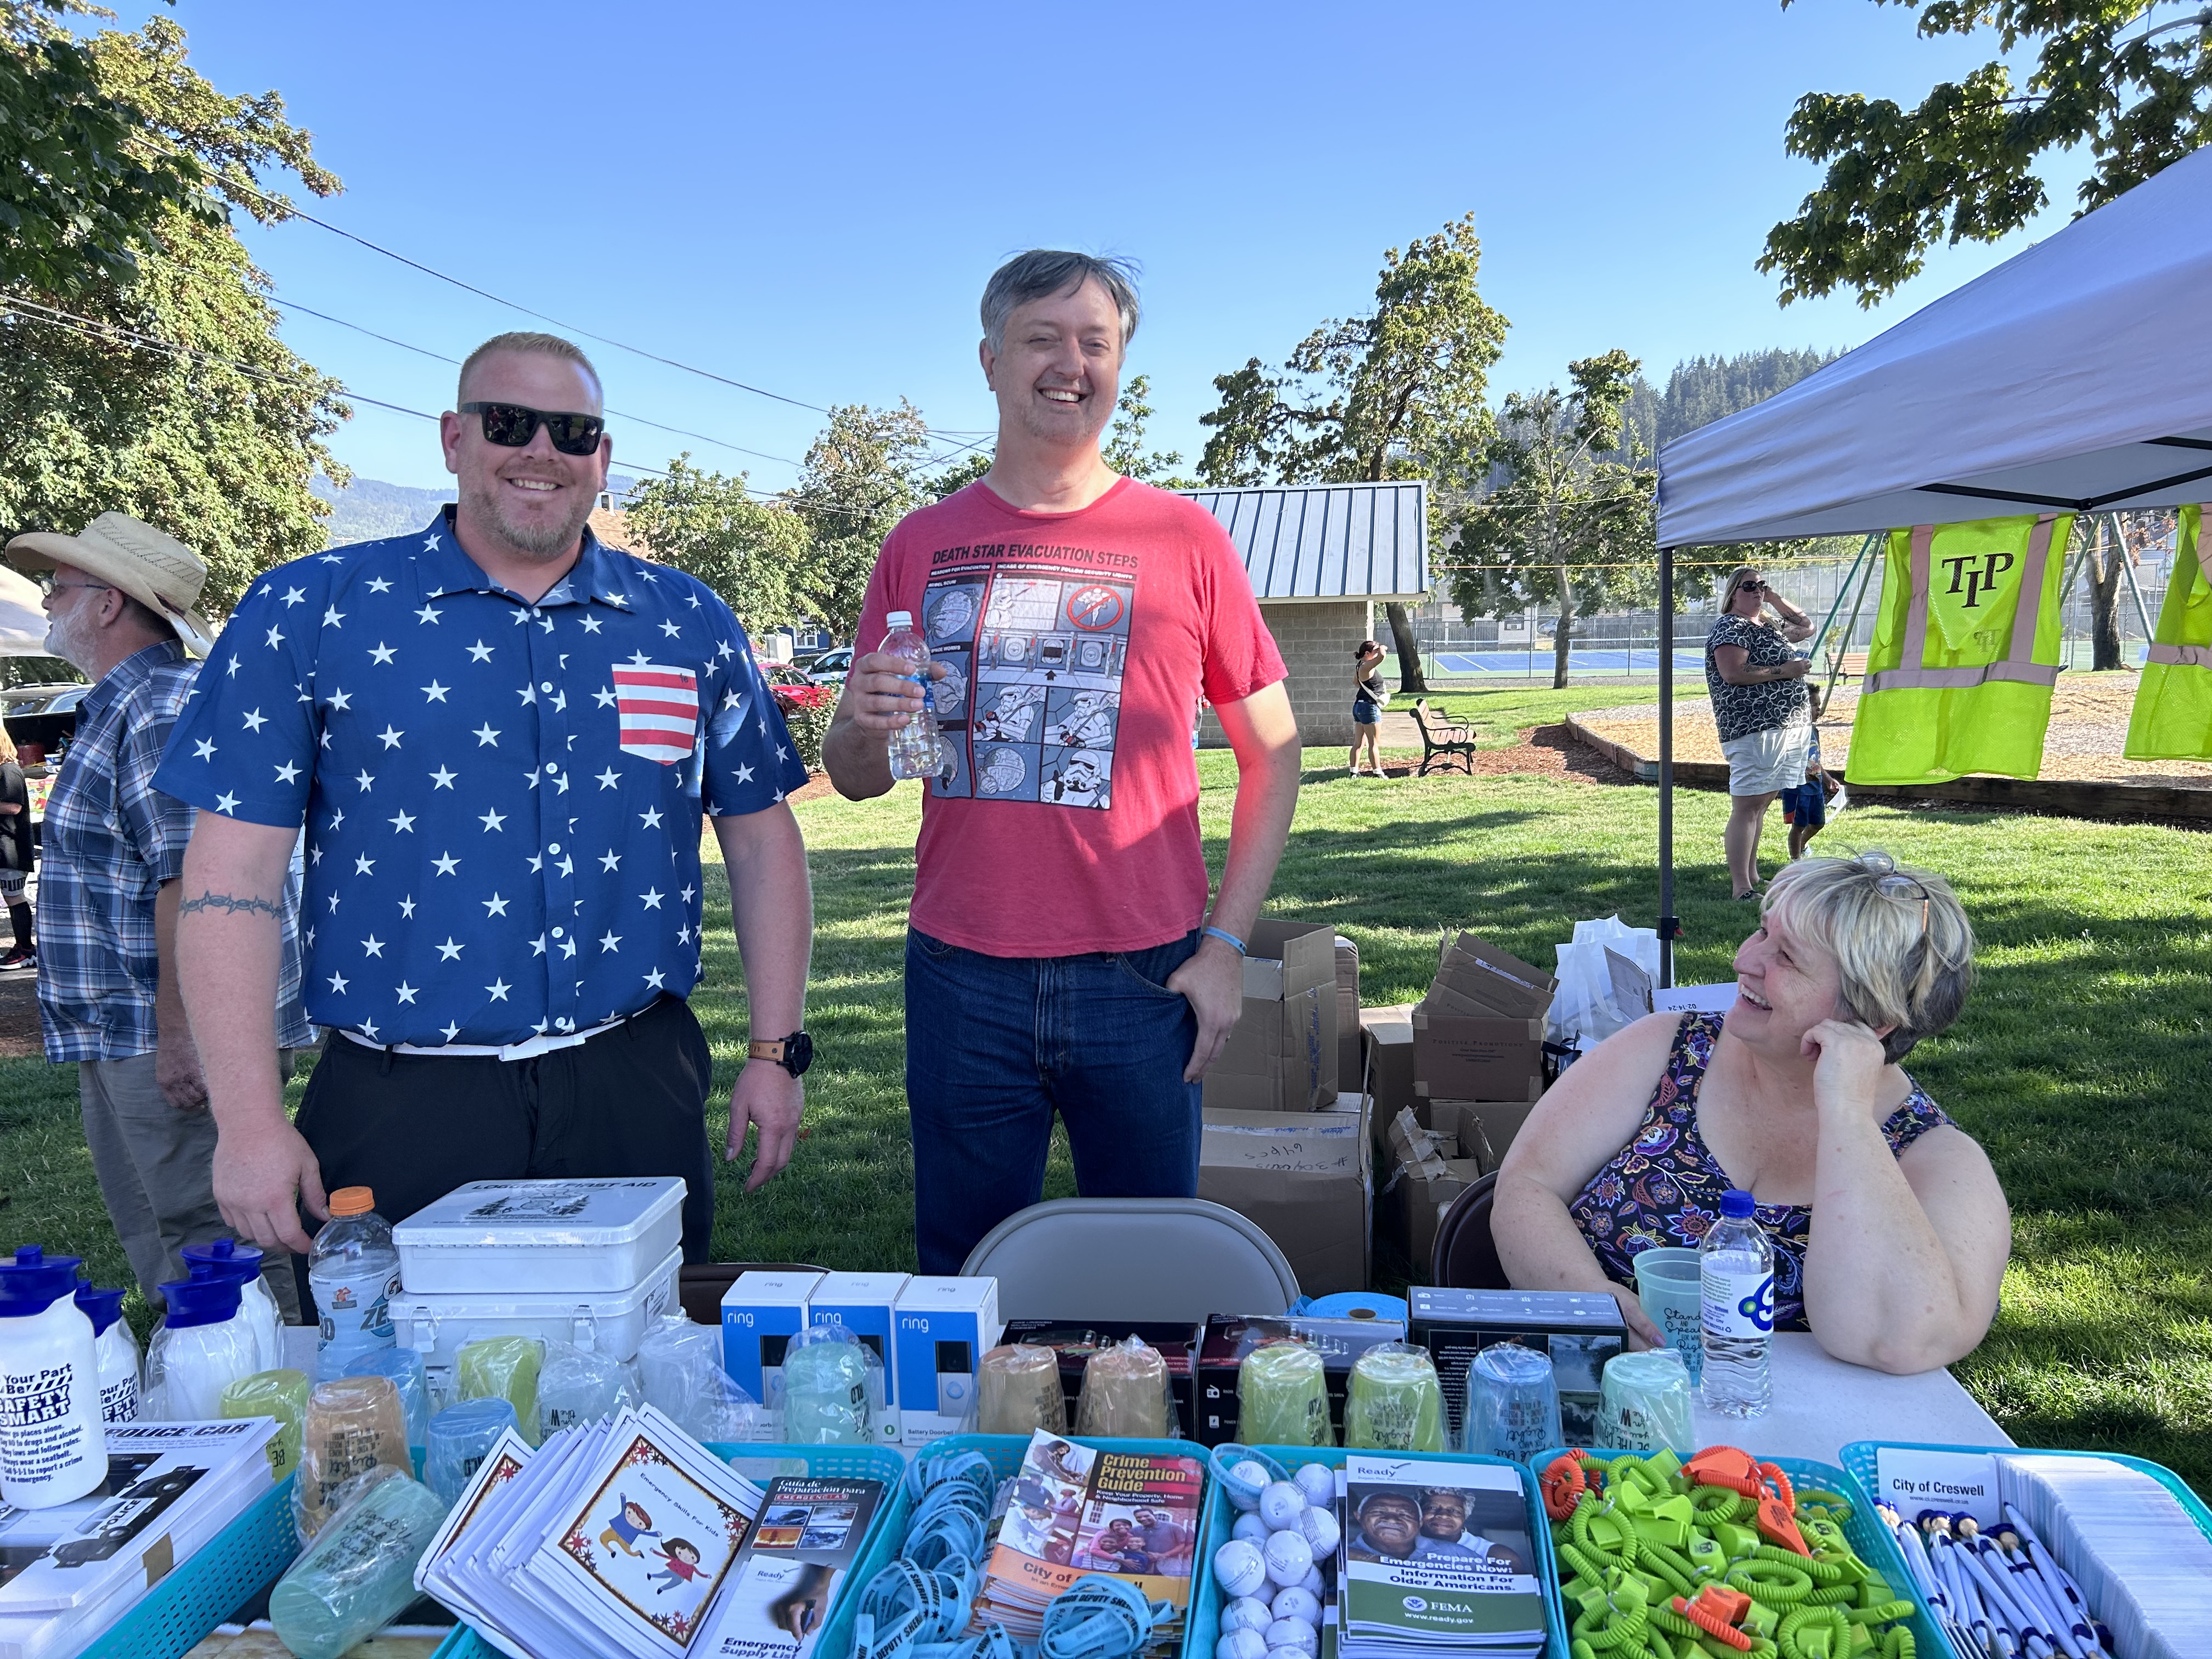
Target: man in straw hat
[119,598]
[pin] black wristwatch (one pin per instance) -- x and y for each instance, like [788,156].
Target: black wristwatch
[794,1054]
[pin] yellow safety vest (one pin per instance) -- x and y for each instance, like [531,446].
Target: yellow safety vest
[1965,651]
[2172,717]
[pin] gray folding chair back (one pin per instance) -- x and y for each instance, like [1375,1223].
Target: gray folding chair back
[1131,1259]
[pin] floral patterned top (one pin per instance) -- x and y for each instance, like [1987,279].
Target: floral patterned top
[1664,1188]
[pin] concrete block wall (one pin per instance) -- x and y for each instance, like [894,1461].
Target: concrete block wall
[1315,638]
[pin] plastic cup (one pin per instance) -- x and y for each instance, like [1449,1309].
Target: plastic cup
[1512,1403]
[404,1367]
[1393,1402]
[1668,1286]
[1282,1394]
[1647,1403]
[461,1436]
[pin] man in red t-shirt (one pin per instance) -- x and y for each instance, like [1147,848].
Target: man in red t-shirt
[1060,953]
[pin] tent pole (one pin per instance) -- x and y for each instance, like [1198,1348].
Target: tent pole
[2127,569]
[1669,926]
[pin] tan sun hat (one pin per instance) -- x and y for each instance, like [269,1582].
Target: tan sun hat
[157,570]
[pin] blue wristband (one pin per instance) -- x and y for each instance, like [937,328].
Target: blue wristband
[1226,938]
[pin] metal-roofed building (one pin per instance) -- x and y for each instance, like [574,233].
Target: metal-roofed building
[1321,557]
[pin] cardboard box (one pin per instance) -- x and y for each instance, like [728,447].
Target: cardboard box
[1283,959]
[863,1303]
[1494,981]
[1459,1058]
[1280,1057]
[943,1326]
[760,1313]
[1580,1331]
[1076,1341]
[1304,1179]
[1229,1337]
[1388,1040]
[1427,1174]
[1485,1128]
[1351,1059]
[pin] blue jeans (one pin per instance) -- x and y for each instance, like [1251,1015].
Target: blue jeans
[994,1045]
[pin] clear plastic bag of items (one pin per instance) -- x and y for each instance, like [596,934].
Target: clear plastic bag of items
[1282,1397]
[578,1386]
[1394,1402]
[353,1424]
[503,1368]
[679,1366]
[1017,1391]
[1127,1395]
[833,1388]
[359,1574]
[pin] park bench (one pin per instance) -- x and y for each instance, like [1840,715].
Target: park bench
[1442,743]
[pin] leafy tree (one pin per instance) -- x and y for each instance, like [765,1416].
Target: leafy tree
[1560,520]
[1124,448]
[863,474]
[1960,165]
[960,474]
[168,395]
[749,551]
[1397,393]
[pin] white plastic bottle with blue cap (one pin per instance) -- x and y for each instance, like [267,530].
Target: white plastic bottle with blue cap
[118,1351]
[52,1448]
[1735,1272]
[229,1259]
[202,1346]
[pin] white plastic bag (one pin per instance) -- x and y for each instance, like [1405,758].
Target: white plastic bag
[679,1365]
[1639,945]
[1598,996]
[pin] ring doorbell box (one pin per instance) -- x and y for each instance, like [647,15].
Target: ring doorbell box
[760,1313]
[1580,1330]
[1229,1337]
[1076,1340]
[863,1304]
[943,1326]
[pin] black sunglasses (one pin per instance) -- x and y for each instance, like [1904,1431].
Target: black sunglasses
[512,425]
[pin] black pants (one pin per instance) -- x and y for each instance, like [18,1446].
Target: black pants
[630,1102]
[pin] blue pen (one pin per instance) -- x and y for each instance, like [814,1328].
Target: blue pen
[2088,1631]
[2028,1586]
[2015,1620]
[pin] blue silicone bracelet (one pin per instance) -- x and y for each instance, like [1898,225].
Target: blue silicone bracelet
[1226,938]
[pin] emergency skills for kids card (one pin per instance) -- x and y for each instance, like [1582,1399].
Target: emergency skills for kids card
[653,1533]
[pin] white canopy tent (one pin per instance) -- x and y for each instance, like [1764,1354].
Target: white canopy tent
[23,617]
[2076,376]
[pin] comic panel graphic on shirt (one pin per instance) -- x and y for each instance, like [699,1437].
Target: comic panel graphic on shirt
[1040,654]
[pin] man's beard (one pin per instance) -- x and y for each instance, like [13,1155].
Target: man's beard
[539,541]
[63,643]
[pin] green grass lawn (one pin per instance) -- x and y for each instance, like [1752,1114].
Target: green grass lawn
[2079,1064]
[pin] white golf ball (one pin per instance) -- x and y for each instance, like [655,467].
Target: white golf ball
[1247,1613]
[1241,1644]
[1290,1653]
[1240,1568]
[1312,1581]
[1289,1635]
[1251,1528]
[1319,1529]
[1246,1480]
[1318,1482]
[1302,1605]
[1289,1559]
[1280,1506]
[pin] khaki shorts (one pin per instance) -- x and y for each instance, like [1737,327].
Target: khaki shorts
[1766,763]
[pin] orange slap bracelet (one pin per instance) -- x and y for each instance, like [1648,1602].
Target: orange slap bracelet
[1563,1485]
[1702,1613]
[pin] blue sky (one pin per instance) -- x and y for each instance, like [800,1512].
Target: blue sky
[809,198]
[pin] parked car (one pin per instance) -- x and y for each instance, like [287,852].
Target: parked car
[831,666]
[43,714]
[782,673]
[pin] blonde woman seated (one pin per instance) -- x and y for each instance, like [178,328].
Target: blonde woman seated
[1889,1229]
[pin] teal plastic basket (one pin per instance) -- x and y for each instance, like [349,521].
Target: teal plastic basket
[1868,1536]
[206,1589]
[1859,1463]
[762,1463]
[1203,1630]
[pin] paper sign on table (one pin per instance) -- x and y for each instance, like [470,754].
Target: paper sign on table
[1910,1481]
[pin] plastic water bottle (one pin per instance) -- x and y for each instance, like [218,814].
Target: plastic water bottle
[1735,1265]
[358,1575]
[53,1448]
[118,1354]
[225,1258]
[917,751]
[354,1271]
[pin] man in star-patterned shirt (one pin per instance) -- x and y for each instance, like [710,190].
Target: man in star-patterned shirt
[501,735]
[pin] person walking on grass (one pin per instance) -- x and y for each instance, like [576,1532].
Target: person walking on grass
[1060,955]
[1368,700]
[15,855]
[1761,707]
[501,735]
[119,599]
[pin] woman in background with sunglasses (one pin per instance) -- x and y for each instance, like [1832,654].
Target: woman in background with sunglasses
[1757,682]
[1890,1231]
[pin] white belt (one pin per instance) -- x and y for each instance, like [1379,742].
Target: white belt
[527,1050]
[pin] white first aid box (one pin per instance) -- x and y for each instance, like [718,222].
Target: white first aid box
[439,1324]
[608,1234]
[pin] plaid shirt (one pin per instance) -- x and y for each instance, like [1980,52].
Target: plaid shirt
[112,839]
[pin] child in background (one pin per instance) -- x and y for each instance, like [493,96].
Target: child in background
[1805,809]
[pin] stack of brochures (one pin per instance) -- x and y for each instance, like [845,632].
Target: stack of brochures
[70,1573]
[612,1538]
[1436,1558]
[1079,1510]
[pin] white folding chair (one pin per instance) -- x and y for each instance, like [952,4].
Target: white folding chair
[1132,1259]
